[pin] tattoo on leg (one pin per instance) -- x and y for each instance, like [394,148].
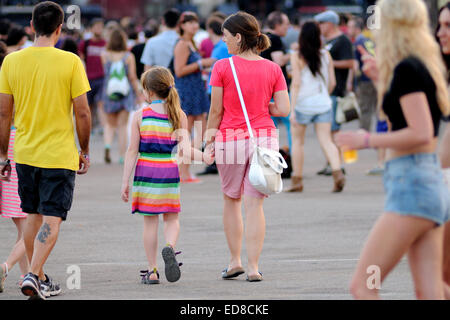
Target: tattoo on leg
[44,233]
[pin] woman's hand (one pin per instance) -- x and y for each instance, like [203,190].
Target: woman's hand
[125,192]
[352,140]
[369,68]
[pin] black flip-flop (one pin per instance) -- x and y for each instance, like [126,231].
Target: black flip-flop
[233,273]
[172,267]
[255,278]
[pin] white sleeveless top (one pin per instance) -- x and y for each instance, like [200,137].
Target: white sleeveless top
[313,97]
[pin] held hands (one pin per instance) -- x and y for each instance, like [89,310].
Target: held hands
[353,140]
[209,154]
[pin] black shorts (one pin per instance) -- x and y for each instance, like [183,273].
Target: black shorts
[48,192]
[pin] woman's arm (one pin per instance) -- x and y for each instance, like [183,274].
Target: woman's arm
[419,131]
[281,107]
[132,77]
[296,79]
[181,56]
[131,155]
[331,74]
[215,114]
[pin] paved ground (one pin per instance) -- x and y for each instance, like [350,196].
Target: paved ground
[312,243]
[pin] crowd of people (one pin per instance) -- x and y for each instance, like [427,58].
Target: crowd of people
[177,83]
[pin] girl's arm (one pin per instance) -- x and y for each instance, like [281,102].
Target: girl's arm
[186,150]
[131,155]
[419,131]
[215,114]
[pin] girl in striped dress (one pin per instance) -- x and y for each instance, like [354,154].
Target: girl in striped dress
[10,208]
[156,130]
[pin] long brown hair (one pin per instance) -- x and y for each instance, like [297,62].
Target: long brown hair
[160,81]
[117,41]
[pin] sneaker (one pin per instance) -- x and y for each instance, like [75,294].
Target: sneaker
[32,288]
[212,169]
[50,288]
[377,171]
[107,156]
[324,170]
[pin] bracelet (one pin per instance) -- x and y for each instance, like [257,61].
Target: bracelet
[366,140]
[199,62]
[84,155]
[7,162]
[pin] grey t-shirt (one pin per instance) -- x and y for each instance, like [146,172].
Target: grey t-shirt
[158,50]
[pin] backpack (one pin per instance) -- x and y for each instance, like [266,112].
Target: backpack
[118,86]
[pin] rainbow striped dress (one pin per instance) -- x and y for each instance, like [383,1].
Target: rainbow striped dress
[156,186]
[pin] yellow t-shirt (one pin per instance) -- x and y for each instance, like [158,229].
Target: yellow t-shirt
[43,82]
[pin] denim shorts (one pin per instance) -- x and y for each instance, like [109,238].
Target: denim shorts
[305,119]
[415,186]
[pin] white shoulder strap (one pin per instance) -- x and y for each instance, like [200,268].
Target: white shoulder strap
[241,98]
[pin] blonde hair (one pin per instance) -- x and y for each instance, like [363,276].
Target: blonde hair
[405,31]
[160,81]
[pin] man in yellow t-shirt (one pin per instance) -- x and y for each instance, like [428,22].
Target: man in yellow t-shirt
[46,86]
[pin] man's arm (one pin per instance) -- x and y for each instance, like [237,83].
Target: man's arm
[83,121]
[6,111]
[280,58]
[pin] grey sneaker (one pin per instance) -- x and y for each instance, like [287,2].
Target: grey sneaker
[49,287]
[377,171]
[32,288]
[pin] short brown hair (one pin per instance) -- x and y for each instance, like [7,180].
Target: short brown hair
[248,27]
[117,41]
[47,16]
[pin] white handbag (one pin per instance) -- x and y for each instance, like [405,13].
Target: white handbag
[267,164]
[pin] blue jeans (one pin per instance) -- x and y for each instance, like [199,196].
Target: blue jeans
[287,124]
[334,125]
[415,186]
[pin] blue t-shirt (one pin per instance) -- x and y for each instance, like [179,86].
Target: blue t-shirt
[219,52]
[370,47]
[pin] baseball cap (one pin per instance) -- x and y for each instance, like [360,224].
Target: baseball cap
[327,16]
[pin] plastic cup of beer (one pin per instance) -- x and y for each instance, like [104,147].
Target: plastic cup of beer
[350,155]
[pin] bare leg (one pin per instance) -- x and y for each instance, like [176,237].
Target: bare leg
[44,243]
[323,131]
[298,141]
[446,257]
[234,229]
[171,228]
[33,224]
[389,240]
[18,253]
[255,230]
[110,127]
[425,260]
[151,242]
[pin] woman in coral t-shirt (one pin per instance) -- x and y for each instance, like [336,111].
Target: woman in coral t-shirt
[260,81]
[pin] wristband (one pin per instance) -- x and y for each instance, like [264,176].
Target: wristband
[86,156]
[7,162]
[366,140]
[199,62]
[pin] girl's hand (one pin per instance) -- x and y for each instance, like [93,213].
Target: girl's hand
[209,154]
[352,140]
[125,192]
[369,67]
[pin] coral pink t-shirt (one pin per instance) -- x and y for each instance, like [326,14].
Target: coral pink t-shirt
[259,80]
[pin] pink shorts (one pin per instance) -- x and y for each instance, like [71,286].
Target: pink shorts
[233,162]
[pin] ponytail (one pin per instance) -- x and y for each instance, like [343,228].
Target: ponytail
[173,107]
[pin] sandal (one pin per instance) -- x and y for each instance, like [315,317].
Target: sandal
[232,273]
[145,274]
[255,278]
[172,267]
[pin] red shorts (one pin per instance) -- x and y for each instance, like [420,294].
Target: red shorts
[233,162]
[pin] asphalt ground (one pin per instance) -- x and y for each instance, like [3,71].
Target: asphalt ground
[312,243]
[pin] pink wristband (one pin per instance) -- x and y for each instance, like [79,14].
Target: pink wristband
[366,140]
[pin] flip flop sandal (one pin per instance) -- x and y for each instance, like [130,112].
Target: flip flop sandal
[172,267]
[190,180]
[255,278]
[232,273]
[145,274]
